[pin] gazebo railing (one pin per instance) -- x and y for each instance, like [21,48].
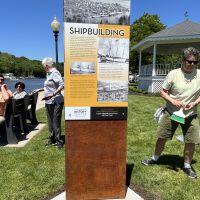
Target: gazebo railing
[160,69]
[164,69]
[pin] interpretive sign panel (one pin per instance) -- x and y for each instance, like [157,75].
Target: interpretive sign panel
[96,42]
[96,71]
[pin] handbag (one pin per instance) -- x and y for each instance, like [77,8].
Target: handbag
[158,114]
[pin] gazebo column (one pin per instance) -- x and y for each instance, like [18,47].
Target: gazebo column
[154,59]
[154,67]
[140,60]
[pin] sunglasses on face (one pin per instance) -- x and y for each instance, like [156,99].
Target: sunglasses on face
[192,61]
[1,79]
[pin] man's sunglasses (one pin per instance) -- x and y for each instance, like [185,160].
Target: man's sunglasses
[190,62]
[2,79]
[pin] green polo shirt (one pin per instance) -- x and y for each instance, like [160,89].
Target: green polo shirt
[184,87]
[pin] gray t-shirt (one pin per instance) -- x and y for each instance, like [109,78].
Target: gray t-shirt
[184,87]
[52,83]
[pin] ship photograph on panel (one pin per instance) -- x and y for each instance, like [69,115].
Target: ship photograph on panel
[97,11]
[82,68]
[112,91]
[113,50]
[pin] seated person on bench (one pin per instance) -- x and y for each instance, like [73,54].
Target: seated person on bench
[5,95]
[20,92]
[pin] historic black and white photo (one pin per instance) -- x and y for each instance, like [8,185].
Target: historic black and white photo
[113,50]
[82,68]
[112,91]
[97,11]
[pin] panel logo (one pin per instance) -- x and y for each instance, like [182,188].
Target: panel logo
[80,113]
[77,113]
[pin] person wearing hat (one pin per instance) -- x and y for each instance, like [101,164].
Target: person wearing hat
[20,92]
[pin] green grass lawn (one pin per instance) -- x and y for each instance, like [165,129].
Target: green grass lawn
[34,172]
[165,181]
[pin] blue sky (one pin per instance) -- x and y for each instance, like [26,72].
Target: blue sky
[26,31]
[171,12]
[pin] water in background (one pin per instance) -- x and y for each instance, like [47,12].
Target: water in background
[31,84]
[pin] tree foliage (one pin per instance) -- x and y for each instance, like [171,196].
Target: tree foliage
[146,25]
[22,66]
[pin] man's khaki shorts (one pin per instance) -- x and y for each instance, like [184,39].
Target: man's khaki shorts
[190,130]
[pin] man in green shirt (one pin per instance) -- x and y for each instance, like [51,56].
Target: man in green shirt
[181,90]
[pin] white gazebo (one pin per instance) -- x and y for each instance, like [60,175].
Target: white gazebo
[166,42]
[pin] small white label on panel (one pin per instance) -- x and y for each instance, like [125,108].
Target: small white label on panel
[77,113]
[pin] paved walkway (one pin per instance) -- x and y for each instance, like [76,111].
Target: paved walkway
[40,103]
[29,136]
[130,195]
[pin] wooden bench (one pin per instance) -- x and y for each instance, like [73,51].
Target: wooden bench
[18,115]
[31,103]
[17,111]
[8,124]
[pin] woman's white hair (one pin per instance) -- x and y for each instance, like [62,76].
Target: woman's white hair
[48,61]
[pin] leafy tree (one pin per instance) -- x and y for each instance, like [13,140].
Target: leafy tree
[22,66]
[146,25]
[60,68]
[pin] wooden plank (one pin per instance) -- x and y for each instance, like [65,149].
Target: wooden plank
[95,159]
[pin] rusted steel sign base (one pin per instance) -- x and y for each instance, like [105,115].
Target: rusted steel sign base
[95,159]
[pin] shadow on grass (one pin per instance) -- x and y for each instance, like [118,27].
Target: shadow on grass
[173,162]
[129,170]
[17,132]
[63,138]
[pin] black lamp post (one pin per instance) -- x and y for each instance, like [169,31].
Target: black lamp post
[55,26]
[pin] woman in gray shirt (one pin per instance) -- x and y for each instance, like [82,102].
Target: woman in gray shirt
[54,101]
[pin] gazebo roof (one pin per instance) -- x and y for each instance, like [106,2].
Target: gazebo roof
[172,39]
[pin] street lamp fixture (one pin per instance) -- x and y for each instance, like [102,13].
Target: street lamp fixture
[55,26]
